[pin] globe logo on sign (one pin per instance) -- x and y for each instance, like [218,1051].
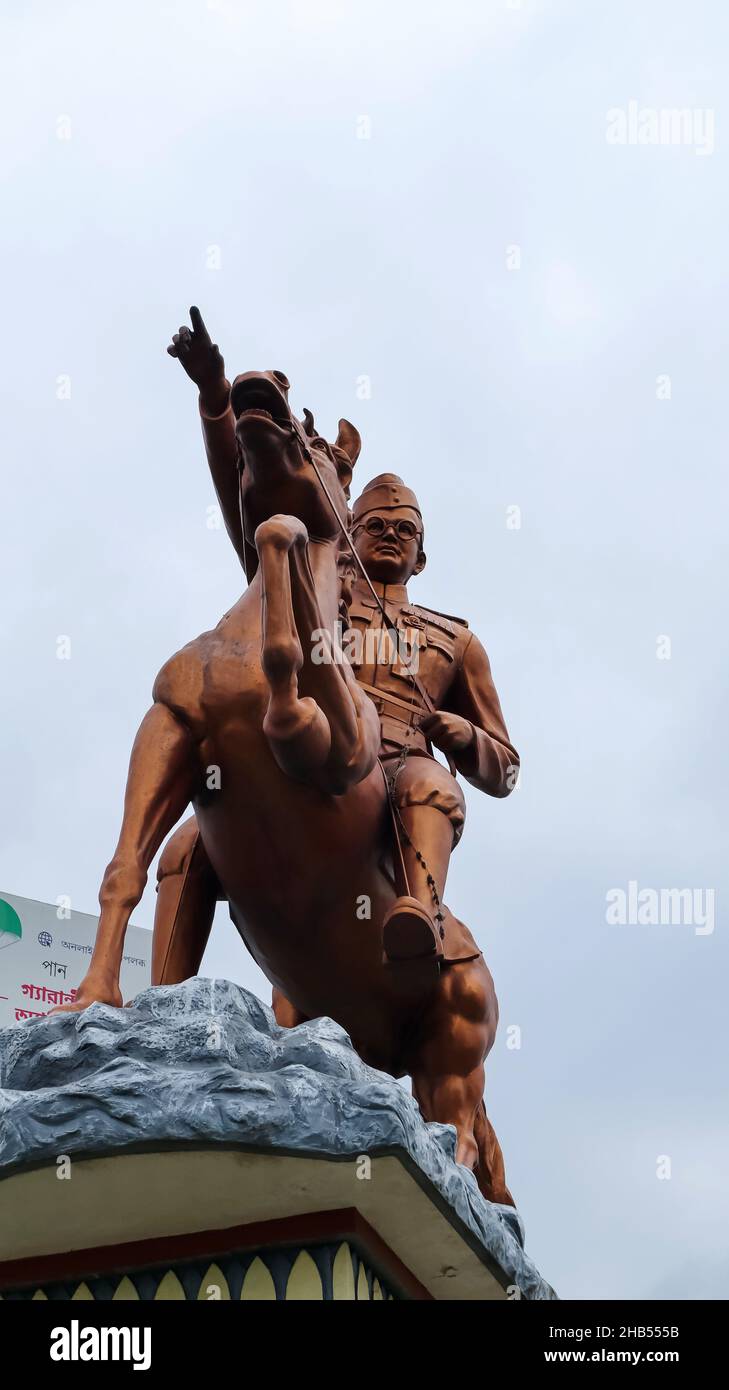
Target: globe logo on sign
[10,927]
[45,938]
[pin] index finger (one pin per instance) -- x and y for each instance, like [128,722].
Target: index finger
[196,319]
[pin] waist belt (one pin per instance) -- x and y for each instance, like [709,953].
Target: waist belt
[383,697]
[400,707]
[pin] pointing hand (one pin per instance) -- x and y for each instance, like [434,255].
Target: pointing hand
[203,362]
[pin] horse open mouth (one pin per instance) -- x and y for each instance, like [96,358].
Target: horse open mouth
[258,398]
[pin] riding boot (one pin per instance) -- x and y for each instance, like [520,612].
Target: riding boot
[412,930]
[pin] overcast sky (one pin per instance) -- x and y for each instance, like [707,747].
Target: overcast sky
[542,317]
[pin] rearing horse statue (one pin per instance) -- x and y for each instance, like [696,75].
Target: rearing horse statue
[278,755]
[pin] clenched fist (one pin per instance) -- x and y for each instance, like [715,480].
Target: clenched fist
[449,732]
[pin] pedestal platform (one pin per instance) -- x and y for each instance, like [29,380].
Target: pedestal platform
[188,1148]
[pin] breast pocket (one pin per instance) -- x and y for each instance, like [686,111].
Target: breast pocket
[410,645]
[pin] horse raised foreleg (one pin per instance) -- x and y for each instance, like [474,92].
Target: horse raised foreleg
[296,729]
[447,1069]
[321,728]
[160,784]
[328,678]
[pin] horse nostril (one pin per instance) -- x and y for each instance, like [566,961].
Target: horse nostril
[284,381]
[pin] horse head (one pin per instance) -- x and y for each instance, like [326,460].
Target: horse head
[283,460]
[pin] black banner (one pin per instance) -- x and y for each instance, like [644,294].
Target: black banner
[51,1339]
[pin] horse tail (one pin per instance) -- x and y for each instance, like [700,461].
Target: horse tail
[490,1173]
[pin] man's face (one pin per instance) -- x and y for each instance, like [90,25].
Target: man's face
[389,542]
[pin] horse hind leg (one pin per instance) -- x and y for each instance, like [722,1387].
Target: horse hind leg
[447,1069]
[187,892]
[286,1014]
[160,785]
[490,1170]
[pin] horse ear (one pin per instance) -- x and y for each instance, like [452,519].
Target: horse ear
[344,468]
[309,426]
[349,440]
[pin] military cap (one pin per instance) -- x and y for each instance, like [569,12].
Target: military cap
[382,493]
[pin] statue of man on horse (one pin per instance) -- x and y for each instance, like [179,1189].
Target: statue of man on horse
[321,763]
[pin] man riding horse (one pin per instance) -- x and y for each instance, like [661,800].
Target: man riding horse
[295,830]
[451,703]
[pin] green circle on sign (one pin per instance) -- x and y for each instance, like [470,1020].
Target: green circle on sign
[10,925]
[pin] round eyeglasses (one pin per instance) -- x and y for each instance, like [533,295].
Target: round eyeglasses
[379,525]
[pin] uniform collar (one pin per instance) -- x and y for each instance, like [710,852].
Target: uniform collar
[389,593]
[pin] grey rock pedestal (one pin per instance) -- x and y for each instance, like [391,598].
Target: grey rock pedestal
[276,1123]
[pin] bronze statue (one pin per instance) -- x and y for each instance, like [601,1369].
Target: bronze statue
[321,815]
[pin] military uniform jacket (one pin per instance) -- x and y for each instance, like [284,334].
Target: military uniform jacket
[453,669]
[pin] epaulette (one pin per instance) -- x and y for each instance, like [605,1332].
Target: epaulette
[433,612]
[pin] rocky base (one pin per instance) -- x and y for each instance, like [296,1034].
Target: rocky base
[205,1063]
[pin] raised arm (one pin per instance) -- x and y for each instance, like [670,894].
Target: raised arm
[203,362]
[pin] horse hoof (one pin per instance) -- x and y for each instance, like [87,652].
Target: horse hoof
[408,933]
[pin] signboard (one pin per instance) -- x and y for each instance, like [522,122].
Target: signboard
[44,955]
